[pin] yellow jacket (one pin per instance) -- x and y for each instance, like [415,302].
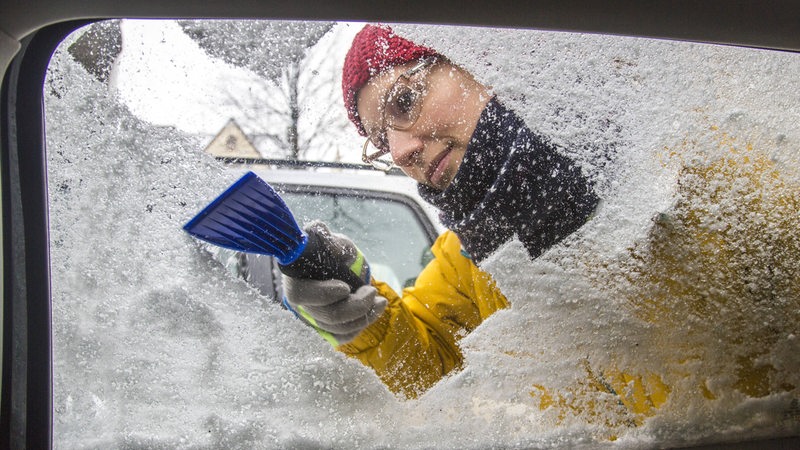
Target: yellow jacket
[415,342]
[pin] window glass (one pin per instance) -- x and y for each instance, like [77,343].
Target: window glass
[671,318]
[389,233]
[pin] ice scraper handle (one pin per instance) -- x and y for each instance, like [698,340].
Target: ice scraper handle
[329,256]
[328,288]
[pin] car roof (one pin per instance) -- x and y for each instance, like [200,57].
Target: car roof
[363,180]
[370,180]
[754,23]
[750,23]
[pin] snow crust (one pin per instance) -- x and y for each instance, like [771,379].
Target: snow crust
[157,346]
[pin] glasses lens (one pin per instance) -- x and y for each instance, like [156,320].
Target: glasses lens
[403,105]
[382,164]
[377,157]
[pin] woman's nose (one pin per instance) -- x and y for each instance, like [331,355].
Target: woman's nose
[405,148]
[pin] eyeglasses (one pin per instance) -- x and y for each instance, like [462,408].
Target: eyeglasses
[401,108]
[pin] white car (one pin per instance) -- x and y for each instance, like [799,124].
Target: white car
[381,212]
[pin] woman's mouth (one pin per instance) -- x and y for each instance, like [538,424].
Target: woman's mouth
[438,166]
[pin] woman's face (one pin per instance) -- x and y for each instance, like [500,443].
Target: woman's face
[431,150]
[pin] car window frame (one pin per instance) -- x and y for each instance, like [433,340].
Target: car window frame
[26,405]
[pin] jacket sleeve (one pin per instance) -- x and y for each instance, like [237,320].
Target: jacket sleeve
[415,342]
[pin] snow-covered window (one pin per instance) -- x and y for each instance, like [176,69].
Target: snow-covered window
[671,318]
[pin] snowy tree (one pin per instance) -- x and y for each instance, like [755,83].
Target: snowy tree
[296,105]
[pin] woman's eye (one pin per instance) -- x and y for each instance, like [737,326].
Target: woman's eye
[402,103]
[406,101]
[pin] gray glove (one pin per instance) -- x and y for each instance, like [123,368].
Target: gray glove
[329,306]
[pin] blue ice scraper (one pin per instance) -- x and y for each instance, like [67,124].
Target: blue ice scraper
[251,217]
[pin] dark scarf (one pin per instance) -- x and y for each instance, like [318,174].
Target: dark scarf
[511,182]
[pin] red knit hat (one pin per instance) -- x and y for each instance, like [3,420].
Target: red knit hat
[374,49]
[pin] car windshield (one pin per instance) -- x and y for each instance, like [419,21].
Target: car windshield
[670,318]
[378,222]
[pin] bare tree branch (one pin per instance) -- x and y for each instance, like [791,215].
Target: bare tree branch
[294,108]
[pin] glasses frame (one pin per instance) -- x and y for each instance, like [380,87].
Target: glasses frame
[374,158]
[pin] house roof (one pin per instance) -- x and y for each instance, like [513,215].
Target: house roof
[232,142]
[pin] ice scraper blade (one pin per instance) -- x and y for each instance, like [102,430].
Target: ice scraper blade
[250,217]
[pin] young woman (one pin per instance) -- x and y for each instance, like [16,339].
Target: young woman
[489,175]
